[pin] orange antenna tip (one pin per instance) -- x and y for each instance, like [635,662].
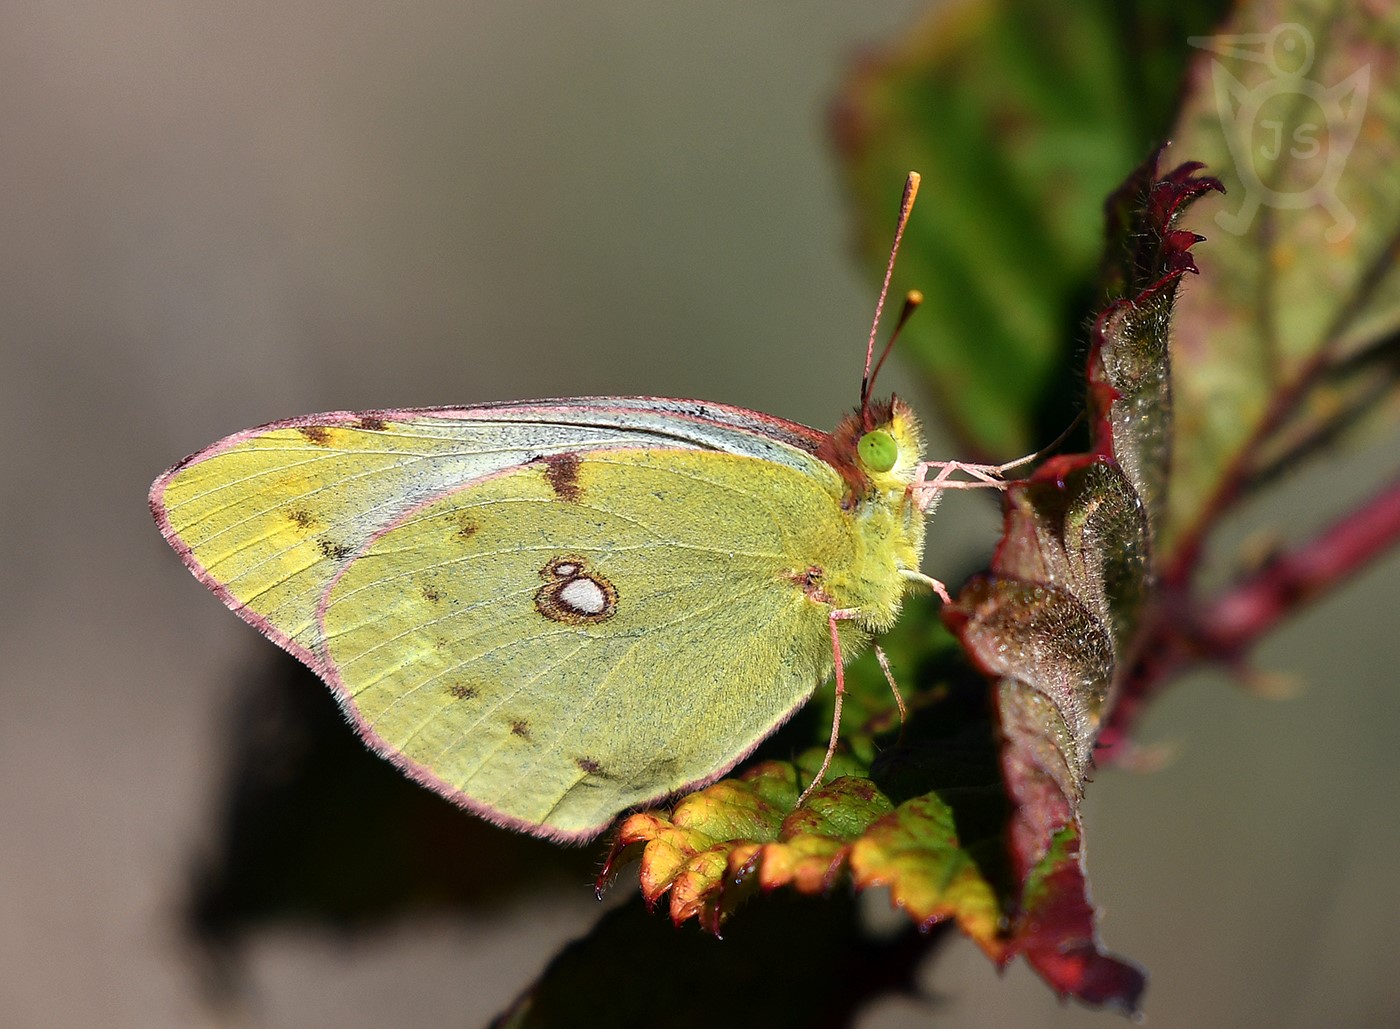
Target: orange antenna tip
[906,204]
[911,189]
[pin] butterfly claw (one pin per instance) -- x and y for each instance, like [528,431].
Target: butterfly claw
[927,492]
[981,476]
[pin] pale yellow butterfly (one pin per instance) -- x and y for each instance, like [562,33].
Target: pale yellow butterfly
[553,611]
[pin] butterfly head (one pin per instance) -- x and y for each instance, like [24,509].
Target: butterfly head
[877,449]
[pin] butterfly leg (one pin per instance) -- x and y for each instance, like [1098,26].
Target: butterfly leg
[832,619]
[837,615]
[929,581]
[982,476]
[894,687]
[927,492]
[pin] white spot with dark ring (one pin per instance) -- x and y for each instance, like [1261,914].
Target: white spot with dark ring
[583,595]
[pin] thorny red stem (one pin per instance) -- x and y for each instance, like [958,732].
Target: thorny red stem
[1256,605]
[1182,634]
[1233,481]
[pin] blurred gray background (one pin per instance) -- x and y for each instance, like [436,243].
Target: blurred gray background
[215,215]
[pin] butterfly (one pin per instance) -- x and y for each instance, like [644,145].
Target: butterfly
[553,611]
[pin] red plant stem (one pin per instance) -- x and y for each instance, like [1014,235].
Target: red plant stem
[1231,484]
[1181,636]
[1231,624]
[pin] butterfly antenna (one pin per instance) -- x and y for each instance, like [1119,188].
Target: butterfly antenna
[906,204]
[912,300]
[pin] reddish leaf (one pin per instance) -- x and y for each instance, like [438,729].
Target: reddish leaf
[1056,895]
[722,842]
[1054,621]
[847,825]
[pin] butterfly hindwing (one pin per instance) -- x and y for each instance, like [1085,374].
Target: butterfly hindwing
[552,650]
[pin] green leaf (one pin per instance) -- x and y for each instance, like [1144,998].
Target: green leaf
[1056,619]
[1021,116]
[932,869]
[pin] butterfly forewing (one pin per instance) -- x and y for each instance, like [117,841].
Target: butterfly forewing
[266,518]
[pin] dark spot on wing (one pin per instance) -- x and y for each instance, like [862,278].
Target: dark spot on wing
[431,595]
[587,764]
[574,594]
[520,728]
[462,692]
[370,423]
[466,528]
[562,472]
[301,518]
[317,434]
[334,550]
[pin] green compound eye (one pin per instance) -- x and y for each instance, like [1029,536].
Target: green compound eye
[878,450]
